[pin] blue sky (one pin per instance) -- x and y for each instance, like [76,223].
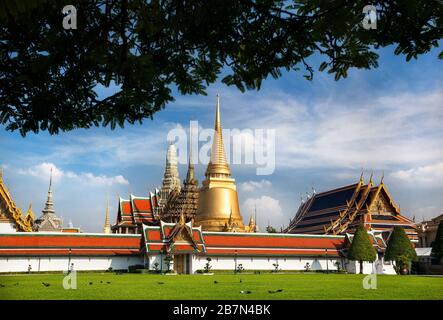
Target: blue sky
[387,120]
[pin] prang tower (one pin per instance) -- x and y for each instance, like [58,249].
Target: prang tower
[218,208]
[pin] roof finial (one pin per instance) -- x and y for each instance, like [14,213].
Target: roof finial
[370,179]
[190,176]
[50,179]
[106,228]
[382,177]
[361,175]
[255,214]
[217,112]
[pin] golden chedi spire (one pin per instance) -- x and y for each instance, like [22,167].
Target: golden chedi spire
[218,200]
[218,166]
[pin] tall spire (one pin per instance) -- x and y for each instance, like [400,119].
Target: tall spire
[49,221]
[218,164]
[49,205]
[171,179]
[190,176]
[107,228]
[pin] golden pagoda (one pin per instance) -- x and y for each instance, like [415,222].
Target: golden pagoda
[218,202]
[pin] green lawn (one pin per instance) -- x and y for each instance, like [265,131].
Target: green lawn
[148,286]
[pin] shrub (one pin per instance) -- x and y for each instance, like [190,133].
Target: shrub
[400,249]
[208,265]
[361,247]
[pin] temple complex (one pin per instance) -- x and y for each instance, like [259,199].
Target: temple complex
[48,221]
[178,228]
[341,210]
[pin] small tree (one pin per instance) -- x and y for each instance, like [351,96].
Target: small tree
[400,249]
[276,267]
[361,247]
[437,245]
[168,261]
[208,265]
[156,267]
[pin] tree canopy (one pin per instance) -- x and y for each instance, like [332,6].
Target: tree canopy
[437,245]
[399,246]
[148,49]
[361,247]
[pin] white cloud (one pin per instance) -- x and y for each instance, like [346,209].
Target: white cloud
[250,186]
[424,176]
[43,171]
[268,210]
[395,129]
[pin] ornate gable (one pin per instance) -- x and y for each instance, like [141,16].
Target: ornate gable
[382,206]
[10,213]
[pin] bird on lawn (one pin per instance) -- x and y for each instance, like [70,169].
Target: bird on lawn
[160,282]
[245,292]
[2,285]
[279,290]
[90,283]
[240,280]
[215,282]
[108,282]
[46,284]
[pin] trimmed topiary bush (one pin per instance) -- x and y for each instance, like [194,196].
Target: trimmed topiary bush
[361,248]
[437,245]
[400,250]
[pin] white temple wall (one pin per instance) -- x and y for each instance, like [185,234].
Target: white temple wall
[264,263]
[21,264]
[6,227]
[378,266]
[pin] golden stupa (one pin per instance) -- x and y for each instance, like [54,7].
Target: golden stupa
[218,208]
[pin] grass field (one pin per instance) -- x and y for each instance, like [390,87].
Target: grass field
[148,286]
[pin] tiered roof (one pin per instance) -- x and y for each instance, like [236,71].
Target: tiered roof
[341,210]
[137,211]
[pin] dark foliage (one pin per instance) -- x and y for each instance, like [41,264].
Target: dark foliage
[49,75]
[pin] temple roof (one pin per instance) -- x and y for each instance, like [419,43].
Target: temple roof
[10,212]
[341,210]
[137,210]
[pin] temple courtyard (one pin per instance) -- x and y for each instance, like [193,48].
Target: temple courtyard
[219,286]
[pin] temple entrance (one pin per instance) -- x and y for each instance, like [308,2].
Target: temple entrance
[180,263]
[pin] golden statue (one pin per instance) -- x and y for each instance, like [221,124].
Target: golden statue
[218,202]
